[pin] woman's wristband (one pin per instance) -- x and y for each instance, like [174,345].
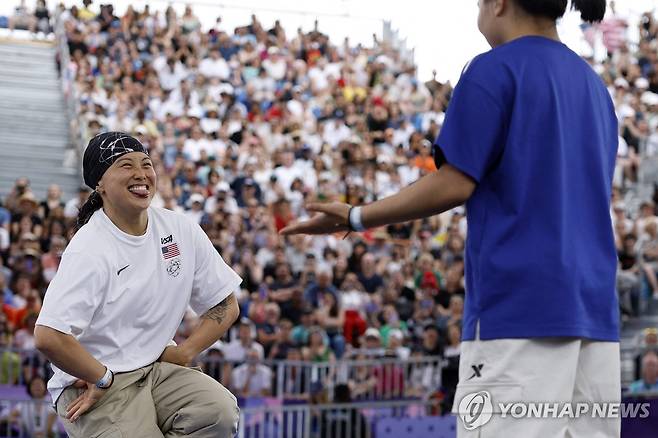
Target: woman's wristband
[354,219]
[107,380]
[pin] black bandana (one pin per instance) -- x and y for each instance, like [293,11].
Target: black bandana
[103,150]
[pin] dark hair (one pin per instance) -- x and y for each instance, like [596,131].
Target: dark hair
[93,203]
[29,384]
[590,10]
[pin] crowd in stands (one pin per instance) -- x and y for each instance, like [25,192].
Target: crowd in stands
[247,125]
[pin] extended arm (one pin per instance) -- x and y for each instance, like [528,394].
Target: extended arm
[432,194]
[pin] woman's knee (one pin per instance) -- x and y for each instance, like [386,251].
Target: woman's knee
[220,413]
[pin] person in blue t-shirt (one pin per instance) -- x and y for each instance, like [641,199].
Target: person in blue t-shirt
[529,144]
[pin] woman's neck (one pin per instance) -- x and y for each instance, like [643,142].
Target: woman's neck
[531,27]
[135,225]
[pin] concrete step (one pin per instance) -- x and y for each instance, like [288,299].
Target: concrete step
[33,118]
[34,84]
[34,123]
[34,131]
[32,151]
[26,51]
[22,94]
[29,108]
[48,62]
[8,118]
[32,71]
[51,167]
[10,104]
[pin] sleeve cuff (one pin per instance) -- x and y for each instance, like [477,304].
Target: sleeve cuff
[60,326]
[441,158]
[220,296]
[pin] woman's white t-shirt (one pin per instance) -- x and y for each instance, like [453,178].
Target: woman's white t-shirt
[123,297]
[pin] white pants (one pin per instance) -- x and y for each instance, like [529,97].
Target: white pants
[551,370]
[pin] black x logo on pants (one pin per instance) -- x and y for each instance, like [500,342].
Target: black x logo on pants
[476,370]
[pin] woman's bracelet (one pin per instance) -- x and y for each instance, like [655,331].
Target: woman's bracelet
[107,380]
[354,219]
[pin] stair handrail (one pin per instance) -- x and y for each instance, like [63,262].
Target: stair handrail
[67,78]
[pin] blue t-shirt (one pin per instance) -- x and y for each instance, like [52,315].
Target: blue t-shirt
[535,127]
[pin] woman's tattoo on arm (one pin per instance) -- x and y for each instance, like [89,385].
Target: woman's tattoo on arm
[218,313]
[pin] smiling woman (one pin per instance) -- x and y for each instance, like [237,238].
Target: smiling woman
[126,191]
[123,285]
[120,171]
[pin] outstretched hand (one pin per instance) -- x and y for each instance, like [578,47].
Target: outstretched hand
[332,218]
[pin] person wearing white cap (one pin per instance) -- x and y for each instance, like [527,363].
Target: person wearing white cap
[395,344]
[195,205]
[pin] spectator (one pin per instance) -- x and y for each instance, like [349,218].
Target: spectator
[648,342]
[629,280]
[236,350]
[372,344]
[73,206]
[331,318]
[649,253]
[296,386]
[395,344]
[317,349]
[362,381]
[7,294]
[267,335]
[10,361]
[36,418]
[431,342]
[22,19]
[372,282]
[283,342]
[649,381]
[252,132]
[252,379]
[53,201]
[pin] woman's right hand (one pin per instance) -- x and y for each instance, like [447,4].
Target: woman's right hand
[332,218]
[176,354]
[85,401]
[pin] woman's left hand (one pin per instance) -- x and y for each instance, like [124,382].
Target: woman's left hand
[176,354]
[84,401]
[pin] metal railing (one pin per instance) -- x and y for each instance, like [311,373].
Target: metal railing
[67,78]
[380,378]
[35,418]
[29,419]
[339,420]
[371,379]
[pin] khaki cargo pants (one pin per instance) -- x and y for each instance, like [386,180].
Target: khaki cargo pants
[159,400]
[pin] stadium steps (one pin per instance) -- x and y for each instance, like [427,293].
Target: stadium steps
[34,127]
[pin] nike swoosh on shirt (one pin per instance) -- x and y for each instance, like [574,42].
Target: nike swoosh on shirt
[119,271]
